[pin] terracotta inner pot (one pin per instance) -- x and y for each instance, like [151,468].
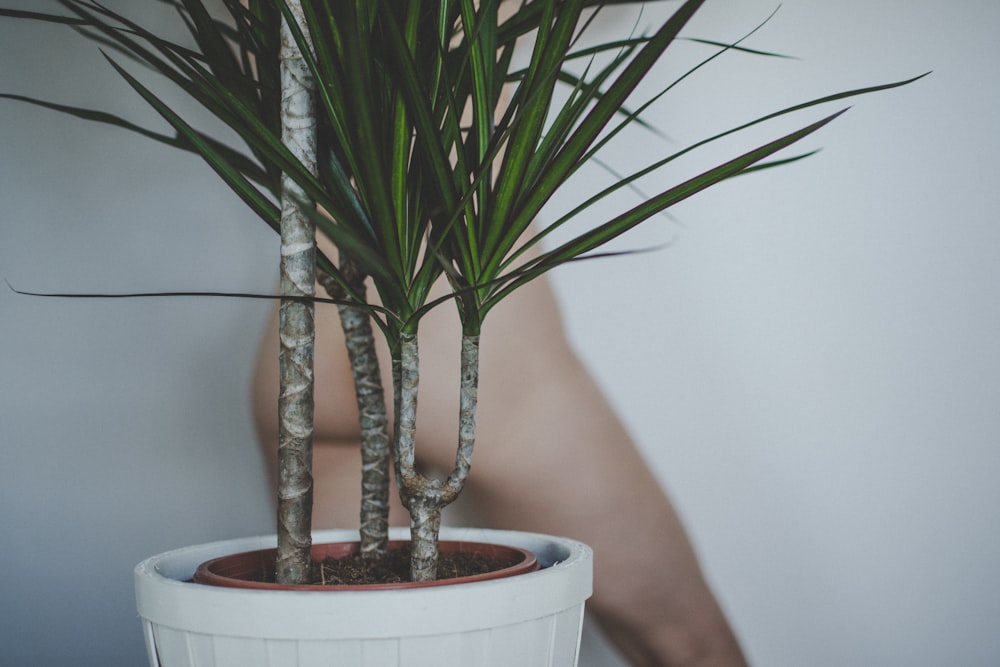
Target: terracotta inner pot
[245,570]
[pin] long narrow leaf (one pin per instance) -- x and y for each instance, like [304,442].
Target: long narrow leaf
[617,226]
[260,204]
[627,181]
[607,106]
[241,162]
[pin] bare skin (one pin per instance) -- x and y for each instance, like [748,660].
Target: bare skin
[551,457]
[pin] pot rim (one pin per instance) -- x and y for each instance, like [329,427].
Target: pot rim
[167,599]
[216,571]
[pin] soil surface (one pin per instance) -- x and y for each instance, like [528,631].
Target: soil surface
[354,570]
[395,568]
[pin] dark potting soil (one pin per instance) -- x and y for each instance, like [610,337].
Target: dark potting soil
[354,570]
[395,568]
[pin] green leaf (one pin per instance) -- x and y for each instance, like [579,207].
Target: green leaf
[627,181]
[239,184]
[241,162]
[600,235]
[558,169]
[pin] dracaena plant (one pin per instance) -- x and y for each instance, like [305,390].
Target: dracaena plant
[405,134]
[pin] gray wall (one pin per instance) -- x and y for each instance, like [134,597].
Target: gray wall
[811,366]
[125,427]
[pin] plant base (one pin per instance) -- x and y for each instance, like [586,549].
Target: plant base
[255,569]
[529,620]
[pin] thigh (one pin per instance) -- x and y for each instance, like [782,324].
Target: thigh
[337,488]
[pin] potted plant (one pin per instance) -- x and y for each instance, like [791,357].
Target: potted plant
[406,136]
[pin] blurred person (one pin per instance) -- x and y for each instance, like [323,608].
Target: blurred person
[551,457]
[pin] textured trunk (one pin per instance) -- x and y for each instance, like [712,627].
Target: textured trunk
[406,382]
[375,442]
[426,498]
[420,496]
[468,400]
[425,527]
[297,334]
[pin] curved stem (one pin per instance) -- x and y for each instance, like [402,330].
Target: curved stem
[421,496]
[468,400]
[426,498]
[406,384]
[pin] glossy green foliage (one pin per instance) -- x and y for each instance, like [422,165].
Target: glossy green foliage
[436,154]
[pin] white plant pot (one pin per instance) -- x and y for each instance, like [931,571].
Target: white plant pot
[528,620]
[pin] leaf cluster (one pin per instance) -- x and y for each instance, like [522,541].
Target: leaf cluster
[436,155]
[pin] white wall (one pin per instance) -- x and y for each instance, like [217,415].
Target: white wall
[117,417]
[811,366]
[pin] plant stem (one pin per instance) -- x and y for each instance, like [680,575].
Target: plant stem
[373,421]
[468,401]
[426,498]
[297,323]
[420,496]
[425,527]
[406,382]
